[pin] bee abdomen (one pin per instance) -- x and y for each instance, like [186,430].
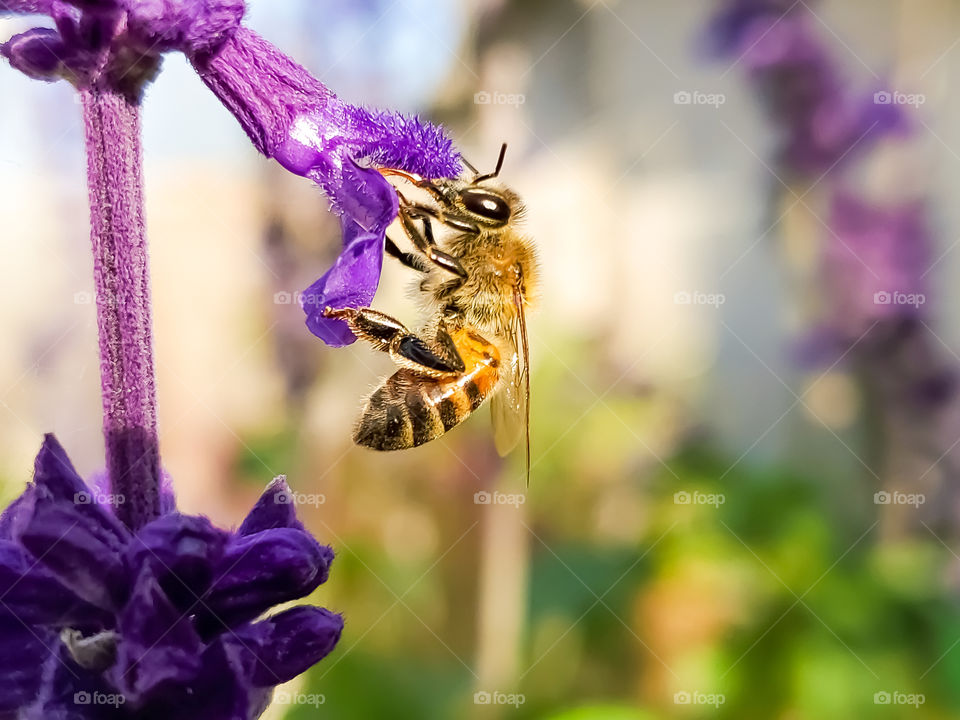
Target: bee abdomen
[409,410]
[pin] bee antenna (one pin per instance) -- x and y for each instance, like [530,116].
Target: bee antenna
[495,173]
[469,165]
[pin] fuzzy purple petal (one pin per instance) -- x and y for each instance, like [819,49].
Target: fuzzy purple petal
[159,644]
[23,650]
[181,552]
[281,647]
[79,544]
[17,514]
[36,597]
[262,570]
[351,282]
[274,509]
[68,692]
[37,53]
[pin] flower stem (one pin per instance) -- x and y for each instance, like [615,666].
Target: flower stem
[121,275]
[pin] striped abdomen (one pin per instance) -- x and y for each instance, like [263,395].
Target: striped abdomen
[409,409]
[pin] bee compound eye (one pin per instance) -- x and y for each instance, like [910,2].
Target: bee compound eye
[486,204]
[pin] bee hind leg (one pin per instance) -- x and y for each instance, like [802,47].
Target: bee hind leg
[436,359]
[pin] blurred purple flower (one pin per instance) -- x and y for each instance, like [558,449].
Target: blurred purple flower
[875,262]
[99,622]
[821,122]
[874,269]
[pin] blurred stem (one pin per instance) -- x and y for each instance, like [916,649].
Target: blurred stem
[504,576]
[121,277]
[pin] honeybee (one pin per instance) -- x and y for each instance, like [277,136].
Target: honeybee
[477,286]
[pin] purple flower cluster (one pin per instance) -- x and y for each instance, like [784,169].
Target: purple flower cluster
[97,621]
[821,122]
[873,285]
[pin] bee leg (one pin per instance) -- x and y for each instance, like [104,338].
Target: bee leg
[409,259]
[426,244]
[406,349]
[416,210]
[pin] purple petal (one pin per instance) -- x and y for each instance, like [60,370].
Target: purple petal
[218,692]
[68,692]
[351,282]
[36,597]
[80,545]
[159,645]
[366,197]
[181,552]
[17,514]
[37,53]
[281,647]
[262,570]
[23,651]
[54,473]
[274,509]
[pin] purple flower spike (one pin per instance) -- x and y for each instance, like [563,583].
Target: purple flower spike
[876,262]
[293,118]
[821,122]
[159,620]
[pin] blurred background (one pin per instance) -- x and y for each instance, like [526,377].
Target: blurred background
[745,409]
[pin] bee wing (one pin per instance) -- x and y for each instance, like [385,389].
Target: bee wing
[506,406]
[510,407]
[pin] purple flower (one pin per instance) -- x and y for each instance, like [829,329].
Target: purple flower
[875,262]
[292,117]
[98,621]
[874,269]
[822,123]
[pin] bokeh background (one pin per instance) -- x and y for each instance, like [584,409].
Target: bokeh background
[745,414]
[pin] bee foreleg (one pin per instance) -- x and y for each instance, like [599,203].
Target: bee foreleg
[406,349]
[418,210]
[425,243]
[409,259]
